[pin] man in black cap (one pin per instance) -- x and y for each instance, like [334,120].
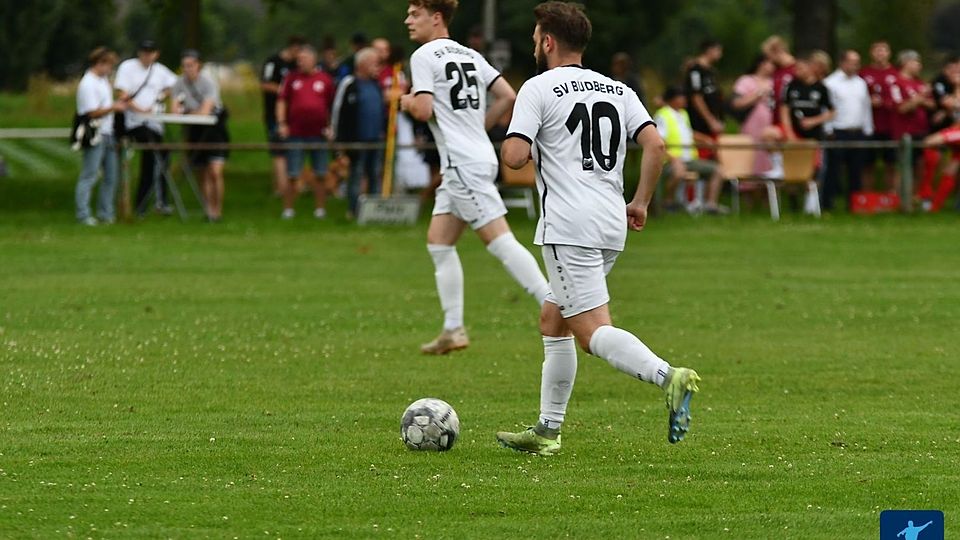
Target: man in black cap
[144,83]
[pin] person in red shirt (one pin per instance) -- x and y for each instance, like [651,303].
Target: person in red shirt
[910,100]
[303,116]
[934,198]
[880,76]
[776,49]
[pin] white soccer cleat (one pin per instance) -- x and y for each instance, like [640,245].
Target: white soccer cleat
[447,341]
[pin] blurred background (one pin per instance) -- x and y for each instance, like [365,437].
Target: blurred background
[51,37]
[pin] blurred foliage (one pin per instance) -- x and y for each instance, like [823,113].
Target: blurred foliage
[53,36]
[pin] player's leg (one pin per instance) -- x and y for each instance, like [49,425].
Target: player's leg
[675,171]
[278,161]
[294,160]
[714,174]
[583,300]
[353,181]
[216,166]
[107,196]
[948,181]
[476,200]
[318,160]
[556,385]
[90,170]
[518,261]
[931,161]
[445,229]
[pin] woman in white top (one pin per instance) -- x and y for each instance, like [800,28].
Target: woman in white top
[95,101]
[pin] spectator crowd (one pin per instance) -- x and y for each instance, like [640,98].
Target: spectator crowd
[311,97]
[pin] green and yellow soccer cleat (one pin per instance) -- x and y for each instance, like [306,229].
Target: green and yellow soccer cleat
[529,441]
[679,388]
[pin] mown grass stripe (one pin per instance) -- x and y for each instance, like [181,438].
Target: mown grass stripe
[31,162]
[58,148]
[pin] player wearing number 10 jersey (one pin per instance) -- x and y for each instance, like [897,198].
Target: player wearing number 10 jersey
[575,124]
[450,86]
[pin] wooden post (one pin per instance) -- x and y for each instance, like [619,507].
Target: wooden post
[390,153]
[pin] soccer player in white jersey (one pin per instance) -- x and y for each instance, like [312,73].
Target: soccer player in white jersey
[450,86]
[575,123]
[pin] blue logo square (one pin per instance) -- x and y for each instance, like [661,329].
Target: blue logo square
[911,525]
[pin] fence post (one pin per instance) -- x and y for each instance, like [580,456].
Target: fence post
[906,173]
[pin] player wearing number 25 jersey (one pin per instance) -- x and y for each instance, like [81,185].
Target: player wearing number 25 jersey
[575,124]
[450,87]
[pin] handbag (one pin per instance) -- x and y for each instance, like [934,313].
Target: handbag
[85,132]
[120,117]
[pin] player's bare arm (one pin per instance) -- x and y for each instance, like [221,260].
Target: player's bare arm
[504,96]
[515,152]
[419,106]
[654,152]
[281,114]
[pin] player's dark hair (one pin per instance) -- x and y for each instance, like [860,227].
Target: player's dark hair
[566,22]
[296,41]
[446,8]
[708,44]
[952,59]
[755,64]
[672,91]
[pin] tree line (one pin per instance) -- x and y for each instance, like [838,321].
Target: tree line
[51,36]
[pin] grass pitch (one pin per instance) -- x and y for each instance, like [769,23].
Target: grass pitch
[247,380]
[168,380]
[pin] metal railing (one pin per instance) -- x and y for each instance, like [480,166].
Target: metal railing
[905,147]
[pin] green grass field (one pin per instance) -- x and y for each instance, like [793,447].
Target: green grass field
[182,380]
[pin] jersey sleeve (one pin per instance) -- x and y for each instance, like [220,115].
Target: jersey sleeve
[637,117]
[488,73]
[527,113]
[421,70]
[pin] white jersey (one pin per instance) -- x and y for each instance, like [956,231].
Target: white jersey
[131,76]
[458,77]
[578,123]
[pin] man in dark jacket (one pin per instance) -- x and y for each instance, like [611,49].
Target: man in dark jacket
[359,116]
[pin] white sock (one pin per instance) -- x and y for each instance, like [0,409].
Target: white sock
[628,354]
[520,264]
[449,276]
[556,384]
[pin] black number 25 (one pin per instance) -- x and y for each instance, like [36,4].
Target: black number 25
[591,146]
[464,75]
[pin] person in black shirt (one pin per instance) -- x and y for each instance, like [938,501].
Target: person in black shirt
[271,77]
[806,106]
[621,69]
[703,93]
[944,94]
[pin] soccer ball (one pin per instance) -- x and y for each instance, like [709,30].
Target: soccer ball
[429,424]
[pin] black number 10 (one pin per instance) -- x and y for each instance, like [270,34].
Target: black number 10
[591,147]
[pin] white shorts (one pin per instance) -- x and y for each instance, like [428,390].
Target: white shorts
[578,277]
[469,192]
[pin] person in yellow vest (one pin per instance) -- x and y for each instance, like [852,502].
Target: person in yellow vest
[673,123]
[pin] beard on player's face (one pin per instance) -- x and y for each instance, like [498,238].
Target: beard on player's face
[541,57]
